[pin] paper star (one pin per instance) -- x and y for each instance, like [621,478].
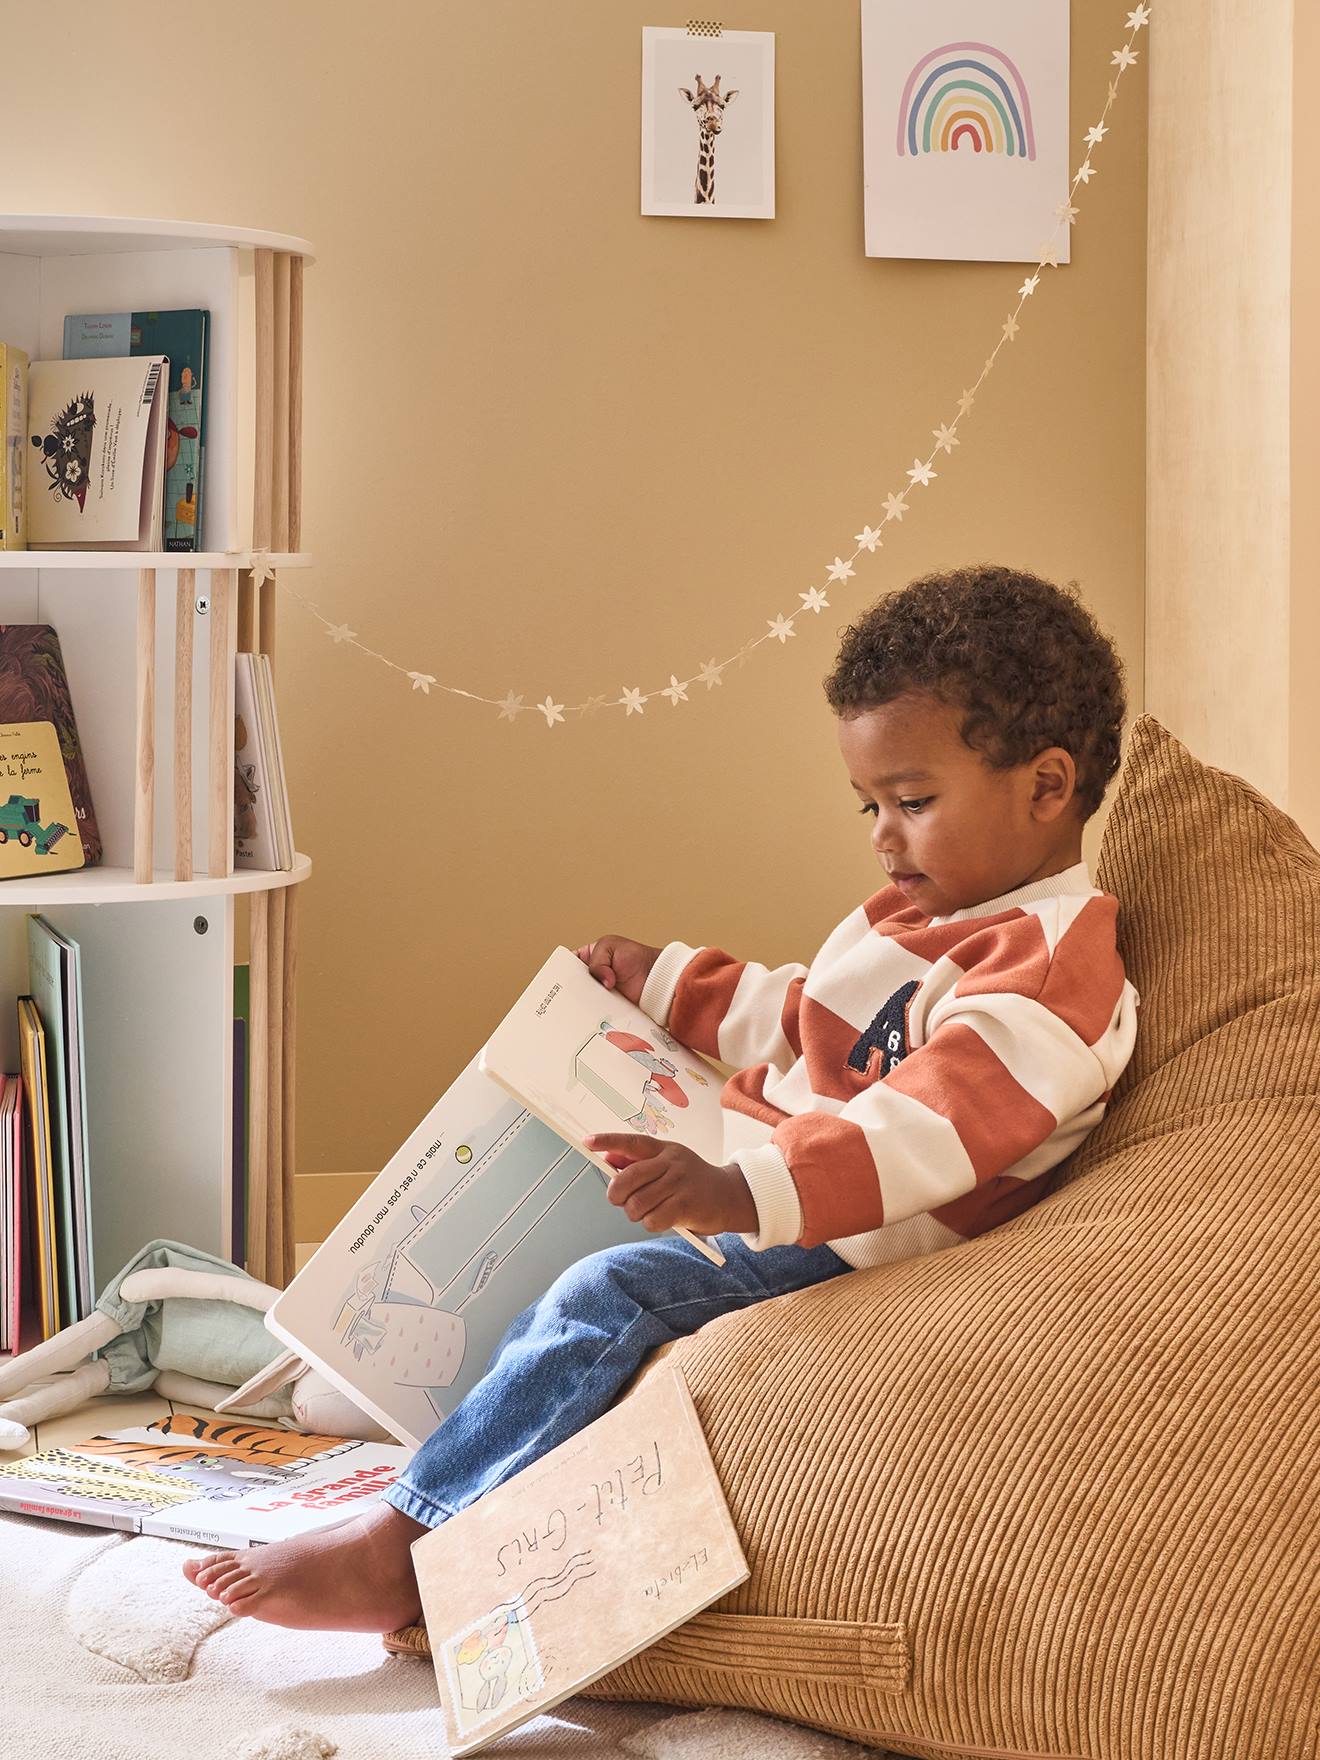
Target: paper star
[632,701]
[965,402]
[895,506]
[676,692]
[1049,256]
[946,438]
[511,708]
[921,473]
[259,567]
[710,675]
[422,681]
[1139,19]
[1113,90]
[340,632]
[1011,327]
[1029,286]
[815,600]
[592,706]
[1095,135]
[1123,57]
[839,570]
[781,628]
[868,539]
[1066,211]
[552,711]
[1086,171]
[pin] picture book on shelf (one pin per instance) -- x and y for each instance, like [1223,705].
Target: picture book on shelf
[97,466]
[263,830]
[13,447]
[490,1199]
[217,1481]
[184,336]
[34,687]
[55,978]
[13,1212]
[41,1188]
[576,1563]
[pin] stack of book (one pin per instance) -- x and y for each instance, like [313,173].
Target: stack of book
[263,828]
[105,449]
[52,1044]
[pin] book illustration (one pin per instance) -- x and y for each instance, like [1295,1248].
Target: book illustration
[34,686]
[492,1658]
[183,336]
[98,427]
[66,451]
[407,1308]
[627,1073]
[220,1480]
[30,757]
[20,817]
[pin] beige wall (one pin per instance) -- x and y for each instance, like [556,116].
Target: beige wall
[1233,625]
[554,446]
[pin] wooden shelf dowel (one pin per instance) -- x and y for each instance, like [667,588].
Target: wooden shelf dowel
[280,414]
[295,401]
[266,618]
[275,1218]
[258,1086]
[247,612]
[144,797]
[289,1070]
[264,449]
[220,763]
[185,593]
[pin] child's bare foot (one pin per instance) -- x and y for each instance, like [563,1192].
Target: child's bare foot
[354,1577]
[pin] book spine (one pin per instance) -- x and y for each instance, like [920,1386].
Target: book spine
[17,1504]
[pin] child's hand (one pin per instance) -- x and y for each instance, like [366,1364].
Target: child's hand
[619,964]
[661,1185]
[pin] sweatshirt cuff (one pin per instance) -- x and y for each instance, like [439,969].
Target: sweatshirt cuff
[657,998]
[778,1207]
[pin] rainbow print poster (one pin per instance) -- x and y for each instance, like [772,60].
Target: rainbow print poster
[965,128]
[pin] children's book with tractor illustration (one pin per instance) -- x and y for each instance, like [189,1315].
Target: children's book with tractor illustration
[38,820]
[218,1481]
[491,1198]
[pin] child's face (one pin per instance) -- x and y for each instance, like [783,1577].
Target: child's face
[950,830]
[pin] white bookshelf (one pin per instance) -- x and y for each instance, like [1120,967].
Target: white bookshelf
[156,920]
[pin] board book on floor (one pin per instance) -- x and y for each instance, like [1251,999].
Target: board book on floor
[491,1198]
[578,1562]
[220,1482]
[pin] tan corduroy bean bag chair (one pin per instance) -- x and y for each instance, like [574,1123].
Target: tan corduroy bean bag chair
[1053,1492]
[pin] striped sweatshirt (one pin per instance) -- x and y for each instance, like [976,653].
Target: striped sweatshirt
[906,1091]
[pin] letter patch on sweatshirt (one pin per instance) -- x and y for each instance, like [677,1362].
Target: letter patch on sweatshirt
[886,1034]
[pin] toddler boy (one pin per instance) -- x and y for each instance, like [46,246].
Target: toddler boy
[954,1038]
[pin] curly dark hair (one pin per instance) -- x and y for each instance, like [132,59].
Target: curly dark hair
[1023,658]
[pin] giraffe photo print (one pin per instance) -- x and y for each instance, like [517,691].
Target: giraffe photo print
[708,123]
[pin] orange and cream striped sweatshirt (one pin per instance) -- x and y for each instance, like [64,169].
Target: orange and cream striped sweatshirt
[907,1090]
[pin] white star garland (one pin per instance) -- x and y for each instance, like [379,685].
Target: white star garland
[895,505]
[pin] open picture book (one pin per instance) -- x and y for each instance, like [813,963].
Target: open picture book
[220,1482]
[492,1197]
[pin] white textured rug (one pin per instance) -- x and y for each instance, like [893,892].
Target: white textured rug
[110,1654]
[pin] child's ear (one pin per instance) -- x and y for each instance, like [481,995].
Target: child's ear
[1053,784]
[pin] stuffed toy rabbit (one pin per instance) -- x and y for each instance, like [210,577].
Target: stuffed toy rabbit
[190,1327]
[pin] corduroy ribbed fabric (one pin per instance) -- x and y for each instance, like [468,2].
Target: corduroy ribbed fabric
[1054,1492]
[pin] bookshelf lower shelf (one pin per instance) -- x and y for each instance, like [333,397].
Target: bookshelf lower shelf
[117,886]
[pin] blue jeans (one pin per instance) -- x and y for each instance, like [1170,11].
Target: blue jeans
[564,1360]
